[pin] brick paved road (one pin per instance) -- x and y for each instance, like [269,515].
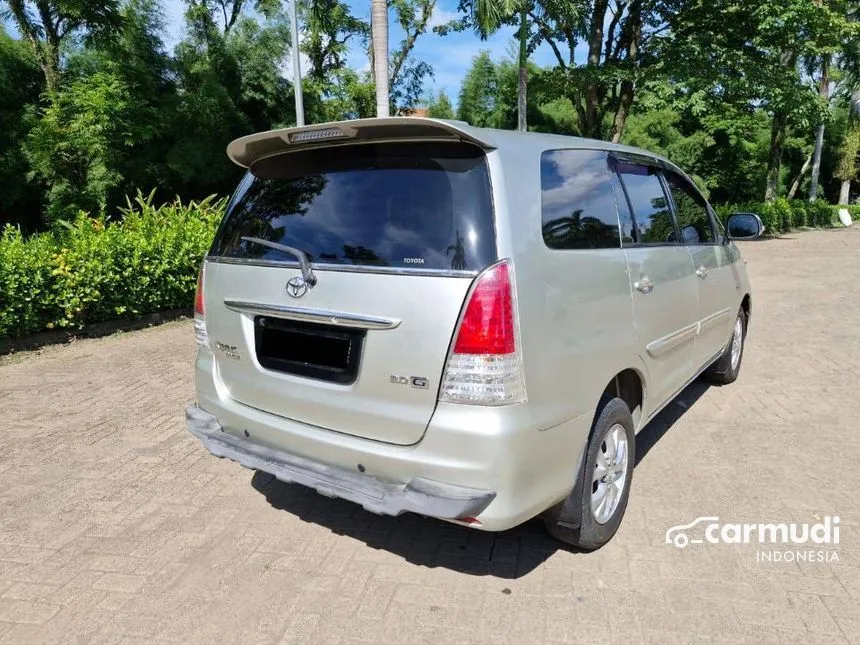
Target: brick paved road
[116,527]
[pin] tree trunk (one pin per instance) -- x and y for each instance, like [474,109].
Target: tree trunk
[787,58]
[845,191]
[379,32]
[626,100]
[803,169]
[824,93]
[591,127]
[627,85]
[816,163]
[522,89]
[777,138]
[43,39]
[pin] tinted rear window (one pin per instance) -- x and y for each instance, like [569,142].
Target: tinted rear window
[418,205]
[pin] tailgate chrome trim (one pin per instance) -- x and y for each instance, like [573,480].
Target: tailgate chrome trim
[324,316]
[347,268]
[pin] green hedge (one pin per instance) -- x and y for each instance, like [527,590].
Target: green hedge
[92,269]
[782,215]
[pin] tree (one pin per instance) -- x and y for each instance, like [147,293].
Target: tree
[477,103]
[75,146]
[617,34]
[824,93]
[407,75]
[793,31]
[441,107]
[485,17]
[226,13]
[846,169]
[22,82]
[332,90]
[749,53]
[838,43]
[330,29]
[260,50]
[135,55]
[48,24]
[106,132]
[379,30]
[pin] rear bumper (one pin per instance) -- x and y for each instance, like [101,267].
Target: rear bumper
[466,452]
[420,495]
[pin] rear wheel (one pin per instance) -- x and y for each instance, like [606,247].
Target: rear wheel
[728,366]
[592,513]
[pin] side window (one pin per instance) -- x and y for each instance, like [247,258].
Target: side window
[577,202]
[691,211]
[649,202]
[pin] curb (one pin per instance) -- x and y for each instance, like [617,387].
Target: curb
[95,330]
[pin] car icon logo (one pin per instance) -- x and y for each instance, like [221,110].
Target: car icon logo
[297,287]
[677,535]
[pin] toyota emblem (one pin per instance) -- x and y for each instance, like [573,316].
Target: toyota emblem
[297,287]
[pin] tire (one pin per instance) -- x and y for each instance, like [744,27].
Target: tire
[573,521]
[724,371]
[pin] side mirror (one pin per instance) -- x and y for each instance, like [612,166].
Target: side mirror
[744,226]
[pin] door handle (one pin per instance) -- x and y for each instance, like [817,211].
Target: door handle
[702,272]
[644,284]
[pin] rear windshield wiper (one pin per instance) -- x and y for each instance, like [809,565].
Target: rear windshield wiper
[304,263]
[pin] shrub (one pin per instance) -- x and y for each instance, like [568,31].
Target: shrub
[799,213]
[782,215]
[820,213]
[92,270]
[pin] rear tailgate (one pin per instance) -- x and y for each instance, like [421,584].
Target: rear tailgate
[372,406]
[396,233]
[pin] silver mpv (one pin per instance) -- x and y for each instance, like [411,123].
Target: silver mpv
[471,324]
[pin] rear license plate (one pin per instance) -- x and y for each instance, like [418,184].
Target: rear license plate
[323,352]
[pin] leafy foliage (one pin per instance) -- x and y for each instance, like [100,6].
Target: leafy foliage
[20,80]
[93,269]
[74,147]
[477,104]
[440,107]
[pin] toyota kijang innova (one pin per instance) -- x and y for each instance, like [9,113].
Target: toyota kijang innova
[471,324]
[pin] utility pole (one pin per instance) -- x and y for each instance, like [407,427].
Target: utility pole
[297,68]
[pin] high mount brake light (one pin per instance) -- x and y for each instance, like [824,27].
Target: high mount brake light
[316,135]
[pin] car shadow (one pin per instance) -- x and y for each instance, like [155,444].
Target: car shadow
[428,542]
[648,436]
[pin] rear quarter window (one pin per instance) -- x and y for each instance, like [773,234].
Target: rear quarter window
[578,209]
[398,205]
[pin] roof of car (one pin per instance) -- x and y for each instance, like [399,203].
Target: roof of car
[247,150]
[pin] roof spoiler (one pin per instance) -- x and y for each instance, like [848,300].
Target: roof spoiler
[246,151]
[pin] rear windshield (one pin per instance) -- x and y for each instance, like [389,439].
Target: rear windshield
[417,205]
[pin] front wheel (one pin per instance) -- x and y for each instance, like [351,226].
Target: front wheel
[728,366]
[592,513]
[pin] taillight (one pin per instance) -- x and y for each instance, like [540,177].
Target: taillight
[200,333]
[485,365]
[199,309]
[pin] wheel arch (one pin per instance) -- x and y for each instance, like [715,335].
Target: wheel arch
[629,386]
[746,305]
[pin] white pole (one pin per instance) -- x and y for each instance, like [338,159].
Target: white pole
[297,69]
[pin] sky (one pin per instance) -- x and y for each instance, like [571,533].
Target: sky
[450,56]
